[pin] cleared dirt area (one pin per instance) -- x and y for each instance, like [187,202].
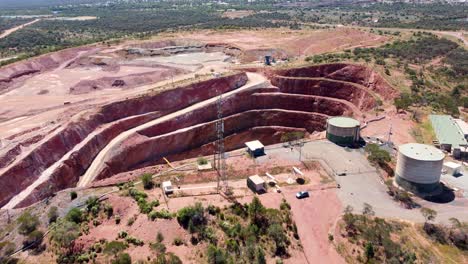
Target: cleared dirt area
[12,30]
[238,13]
[286,43]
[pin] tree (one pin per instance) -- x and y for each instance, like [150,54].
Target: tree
[216,255]
[52,214]
[193,216]
[369,251]
[276,232]
[147,180]
[368,210]
[260,256]
[64,232]
[428,214]
[34,239]
[256,211]
[74,215]
[93,205]
[73,195]
[27,223]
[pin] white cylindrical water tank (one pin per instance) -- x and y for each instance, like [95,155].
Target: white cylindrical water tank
[343,130]
[419,167]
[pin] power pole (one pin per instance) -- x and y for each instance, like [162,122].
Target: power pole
[220,155]
[389,134]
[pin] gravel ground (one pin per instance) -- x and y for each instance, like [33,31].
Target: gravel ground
[362,183]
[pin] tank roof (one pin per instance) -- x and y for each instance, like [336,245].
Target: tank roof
[343,121]
[421,152]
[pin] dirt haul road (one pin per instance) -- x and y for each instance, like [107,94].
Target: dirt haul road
[7,32]
[97,165]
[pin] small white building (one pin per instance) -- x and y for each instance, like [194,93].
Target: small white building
[256,184]
[167,187]
[255,148]
[452,168]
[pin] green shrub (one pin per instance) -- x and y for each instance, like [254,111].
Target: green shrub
[192,215]
[159,237]
[122,258]
[131,220]
[135,241]
[109,210]
[178,241]
[27,223]
[73,195]
[122,234]
[64,232]
[147,180]
[215,255]
[34,239]
[114,247]
[74,215]
[93,205]
[213,210]
[158,247]
[202,161]
[53,214]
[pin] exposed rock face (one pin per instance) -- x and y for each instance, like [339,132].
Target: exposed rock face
[353,73]
[24,172]
[300,100]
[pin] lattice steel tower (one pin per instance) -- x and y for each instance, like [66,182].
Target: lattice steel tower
[220,155]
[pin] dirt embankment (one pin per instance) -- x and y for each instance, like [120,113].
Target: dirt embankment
[352,73]
[13,75]
[22,173]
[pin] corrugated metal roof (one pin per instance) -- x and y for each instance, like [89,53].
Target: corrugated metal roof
[447,130]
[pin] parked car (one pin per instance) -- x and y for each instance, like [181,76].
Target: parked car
[301,195]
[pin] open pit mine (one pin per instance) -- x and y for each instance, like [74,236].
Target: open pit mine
[102,140]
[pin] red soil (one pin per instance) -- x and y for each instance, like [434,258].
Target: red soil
[265,113]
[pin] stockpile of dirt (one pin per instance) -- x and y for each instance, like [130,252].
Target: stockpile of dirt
[126,81]
[11,74]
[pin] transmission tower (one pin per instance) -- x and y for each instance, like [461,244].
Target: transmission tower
[220,155]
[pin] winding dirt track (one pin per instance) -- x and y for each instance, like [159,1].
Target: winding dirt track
[7,32]
[97,165]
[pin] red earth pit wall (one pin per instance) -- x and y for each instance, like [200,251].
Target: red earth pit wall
[27,170]
[140,149]
[346,72]
[67,175]
[248,100]
[329,88]
[267,135]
